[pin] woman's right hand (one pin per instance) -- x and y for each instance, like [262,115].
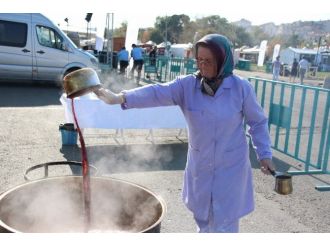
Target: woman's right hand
[109,97]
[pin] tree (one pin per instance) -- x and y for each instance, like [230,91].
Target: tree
[189,32]
[121,31]
[213,24]
[258,35]
[242,37]
[271,44]
[293,41]
[156,36]
[171,27]
[145,34]
[179,29]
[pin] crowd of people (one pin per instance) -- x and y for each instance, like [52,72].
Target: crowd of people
[137,54]
[297,69]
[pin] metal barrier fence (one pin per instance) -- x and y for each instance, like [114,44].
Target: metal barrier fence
[167,69]
[298,122]
[162,69]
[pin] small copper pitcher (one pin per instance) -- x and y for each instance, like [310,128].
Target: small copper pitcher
[283,183]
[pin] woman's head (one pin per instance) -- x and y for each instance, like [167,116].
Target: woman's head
[214,56]
[206,62]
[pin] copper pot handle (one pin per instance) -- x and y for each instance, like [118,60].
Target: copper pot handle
[272,172]
[56,163]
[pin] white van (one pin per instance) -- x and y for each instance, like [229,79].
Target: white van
[33,48]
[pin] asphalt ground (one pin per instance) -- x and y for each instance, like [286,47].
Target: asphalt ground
[29,120]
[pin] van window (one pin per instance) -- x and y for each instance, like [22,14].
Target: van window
[49,37]
[13,33]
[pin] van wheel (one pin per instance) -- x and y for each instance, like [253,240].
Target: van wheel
[69,71]
[66,72]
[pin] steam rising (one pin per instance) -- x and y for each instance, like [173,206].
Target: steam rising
[55,205]
[122,158]
[127,158]
[117,82]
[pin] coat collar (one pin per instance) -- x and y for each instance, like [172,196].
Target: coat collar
[226,84]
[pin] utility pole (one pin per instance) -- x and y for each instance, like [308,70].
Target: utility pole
[67,25]
[109,37]
[166,34]
[88,19]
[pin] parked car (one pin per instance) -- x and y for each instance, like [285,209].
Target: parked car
[33,48]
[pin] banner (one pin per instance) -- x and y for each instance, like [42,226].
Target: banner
[98,43]
[262,52]
[276,51]
[132,32]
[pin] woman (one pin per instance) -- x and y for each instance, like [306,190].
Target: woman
[218,185]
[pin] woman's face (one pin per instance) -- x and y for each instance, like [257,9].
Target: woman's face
[206,62]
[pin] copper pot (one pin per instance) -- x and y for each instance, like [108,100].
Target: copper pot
[80,82]
[283,183]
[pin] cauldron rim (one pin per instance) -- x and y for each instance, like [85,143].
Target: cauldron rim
[159,198]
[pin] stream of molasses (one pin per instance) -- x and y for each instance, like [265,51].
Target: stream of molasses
[85,174]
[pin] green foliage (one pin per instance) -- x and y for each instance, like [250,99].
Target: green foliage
[293,41]
[121,31]
[258,35]
[180,29]
[171,27]
[156,36]
[241,38]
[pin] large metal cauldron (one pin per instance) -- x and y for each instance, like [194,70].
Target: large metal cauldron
[56,205]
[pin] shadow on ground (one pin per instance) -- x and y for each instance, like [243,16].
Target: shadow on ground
[131,158]
[143,157]
[29,94]
[280,165]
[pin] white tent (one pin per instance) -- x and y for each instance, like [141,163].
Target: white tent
[180,50]
[287,55]
[162,45]
[150,42]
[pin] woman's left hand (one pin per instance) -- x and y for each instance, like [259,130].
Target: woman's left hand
[266,165]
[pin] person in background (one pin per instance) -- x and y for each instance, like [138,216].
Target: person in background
[276,68]
[152,56]
[294,70]
[218,184]
[137,55]
[303,67]
[152,59]
[123,60]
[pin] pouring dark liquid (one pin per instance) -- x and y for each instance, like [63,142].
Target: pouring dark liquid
[85,173]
